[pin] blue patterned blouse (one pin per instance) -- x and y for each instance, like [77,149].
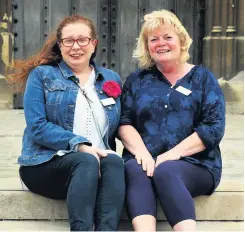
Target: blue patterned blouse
[164,115]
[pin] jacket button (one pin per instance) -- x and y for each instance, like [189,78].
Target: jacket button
[109,107]
[101,92]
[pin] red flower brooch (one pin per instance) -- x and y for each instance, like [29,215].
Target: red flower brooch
[112,89]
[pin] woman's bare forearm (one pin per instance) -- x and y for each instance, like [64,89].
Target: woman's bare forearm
[189,146]
[132,140]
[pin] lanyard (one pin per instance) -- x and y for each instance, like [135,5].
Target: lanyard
[76,81]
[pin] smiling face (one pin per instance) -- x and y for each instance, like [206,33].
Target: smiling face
[76,55]
[164,44]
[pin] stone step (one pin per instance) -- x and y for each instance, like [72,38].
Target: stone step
[232,156]
[226,185]
[6,95]
[24,205]
[201,226]
[225,204]
[12,146]
[233,91]
[124,226]
[13,123]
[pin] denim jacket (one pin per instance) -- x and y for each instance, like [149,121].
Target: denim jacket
[49,105]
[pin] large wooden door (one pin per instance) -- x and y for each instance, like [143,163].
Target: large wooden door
[117,21]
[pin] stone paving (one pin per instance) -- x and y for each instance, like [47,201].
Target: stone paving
[24,211]
[12,124]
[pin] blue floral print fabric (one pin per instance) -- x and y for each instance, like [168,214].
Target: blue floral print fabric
[164,115]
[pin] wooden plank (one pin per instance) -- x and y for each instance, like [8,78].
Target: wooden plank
[185,12]
[32,27]
[159,4]
[56,11]
[103,31]
[18,29]
[88,8]
[127,32]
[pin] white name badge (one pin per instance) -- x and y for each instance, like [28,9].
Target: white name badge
[183,90]
[108,101]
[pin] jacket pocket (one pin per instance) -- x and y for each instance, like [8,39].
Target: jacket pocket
[54,91]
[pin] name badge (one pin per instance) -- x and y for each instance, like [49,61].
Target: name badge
[183,90]
[108,101]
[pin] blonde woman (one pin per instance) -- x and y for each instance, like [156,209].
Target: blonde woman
[173,119]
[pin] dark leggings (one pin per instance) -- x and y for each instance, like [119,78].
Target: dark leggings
[75,177]
[175,183]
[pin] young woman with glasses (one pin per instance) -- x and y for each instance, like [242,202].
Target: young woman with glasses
[72,109]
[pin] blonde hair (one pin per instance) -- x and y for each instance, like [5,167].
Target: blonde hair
[152,22]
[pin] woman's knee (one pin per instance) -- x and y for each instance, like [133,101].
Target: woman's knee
[134,172]
[133,168]
[164,172]
[85,160]
[113,161]
[85,168]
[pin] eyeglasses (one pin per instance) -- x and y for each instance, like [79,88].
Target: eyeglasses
[84,41]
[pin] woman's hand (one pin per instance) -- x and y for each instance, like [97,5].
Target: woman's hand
[111,152]
[96,152]
[169,155]
[147,162]
[187,147]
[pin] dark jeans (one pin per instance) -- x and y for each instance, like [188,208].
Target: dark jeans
[75,177]
[175,183]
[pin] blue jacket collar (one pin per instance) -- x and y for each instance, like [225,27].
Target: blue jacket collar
[67,72]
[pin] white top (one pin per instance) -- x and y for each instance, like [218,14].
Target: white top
[84,123]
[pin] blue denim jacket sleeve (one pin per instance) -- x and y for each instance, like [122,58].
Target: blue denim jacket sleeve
[212,126]
[40,129]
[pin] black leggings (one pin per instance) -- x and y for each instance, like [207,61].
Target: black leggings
[174,183]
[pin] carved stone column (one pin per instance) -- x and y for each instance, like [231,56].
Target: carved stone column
[216,17]
[216,42]
[230,41]
[224,23]
[6,44]
[240,35]
[208,34]
[5,34]
[231,16]
[212,40]
[224,41]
